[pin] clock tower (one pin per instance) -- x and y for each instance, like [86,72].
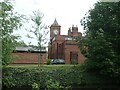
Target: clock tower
[54,29]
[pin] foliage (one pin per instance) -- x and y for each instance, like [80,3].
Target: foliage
[101,44]
[60,78]
[9,21]
[53,84]
[39,31]
[20,43]
[74,62]
[49,62]
[35,86]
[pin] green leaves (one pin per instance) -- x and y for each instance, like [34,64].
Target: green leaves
[40,32]
[9,21]
[37,18]
[60,78]
[101,43]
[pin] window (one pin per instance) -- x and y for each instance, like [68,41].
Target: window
[67,38]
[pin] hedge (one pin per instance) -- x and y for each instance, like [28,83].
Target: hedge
[38,78]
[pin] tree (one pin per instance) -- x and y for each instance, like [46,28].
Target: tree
[9,21]
[20,43]
[102,38]
[40,32]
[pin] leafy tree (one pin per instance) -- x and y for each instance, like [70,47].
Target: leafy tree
[101,43]
[9,21]
[40,32]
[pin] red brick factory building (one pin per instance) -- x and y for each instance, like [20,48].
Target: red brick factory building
[64,46]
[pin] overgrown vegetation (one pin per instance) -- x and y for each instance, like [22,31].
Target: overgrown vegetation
[60,78]
[101,43]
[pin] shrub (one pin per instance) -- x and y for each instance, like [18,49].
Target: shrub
[74,62]
[49,62]
[18,77]
[60,78]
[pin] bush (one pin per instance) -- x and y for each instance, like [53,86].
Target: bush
[60,78]
[18,77]
[74,62]
[49,62]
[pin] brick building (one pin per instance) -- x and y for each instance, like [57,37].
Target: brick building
[64,46]
[28,55]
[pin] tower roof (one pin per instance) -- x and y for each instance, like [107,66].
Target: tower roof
[55,22]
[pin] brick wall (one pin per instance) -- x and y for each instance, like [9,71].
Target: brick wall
[64,46]
[73,48]
[27,58]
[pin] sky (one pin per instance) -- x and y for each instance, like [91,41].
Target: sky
[67,13]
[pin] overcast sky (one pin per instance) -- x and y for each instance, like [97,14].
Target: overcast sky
[67,12]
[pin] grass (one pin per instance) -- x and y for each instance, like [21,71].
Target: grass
[45,67]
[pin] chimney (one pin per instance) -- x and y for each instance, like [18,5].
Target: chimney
[74,30]
[69,32]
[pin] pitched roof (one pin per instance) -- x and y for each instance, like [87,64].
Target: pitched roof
[28,49]
[55,22]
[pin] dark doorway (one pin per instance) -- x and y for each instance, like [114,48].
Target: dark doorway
[74,57]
